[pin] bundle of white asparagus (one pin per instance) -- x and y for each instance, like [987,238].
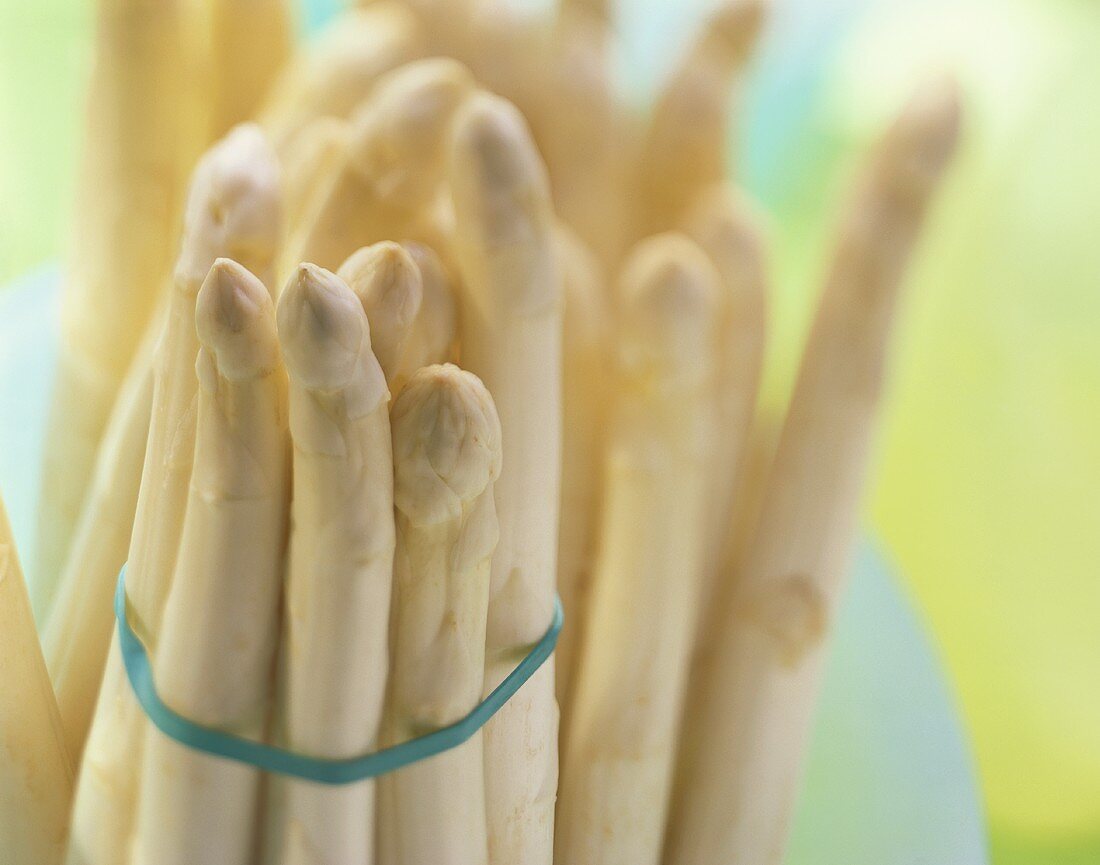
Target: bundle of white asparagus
[338,539]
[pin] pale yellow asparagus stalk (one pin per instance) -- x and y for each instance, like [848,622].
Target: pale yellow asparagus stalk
[619,766]
[310,161]
[234,211]
[234,205]
[137,151]
[79,629]
[394,165]
[583,133]
[511,339]
[727,228]
[687,145]
[586,332]
[36,776]
[335,650]
[747,736]
[334,73]
[215,657]
[387,282]
[249,43]
[446,442]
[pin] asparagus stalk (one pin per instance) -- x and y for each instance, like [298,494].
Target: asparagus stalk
[511,339]
[582,130]
[80,626]
[394,166]
[36,776]
[586,333]
[686,147]
[339,69]
[748,732]
[387,282]
[137,149]
[250,42]
[447,454]
[215,656]
[729,231]
[341,563]
[233,205]
[618,771]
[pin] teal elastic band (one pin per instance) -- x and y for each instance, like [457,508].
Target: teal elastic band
[271,759]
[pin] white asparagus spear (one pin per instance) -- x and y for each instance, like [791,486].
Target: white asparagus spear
[233,206]
[387,282]
[618,770]
[446,441]
[215,657]
[136,155]
[748,732]
[36,776]
[687,146]
[586,332]
[336,650]
[729,230]
[80,626]
[249,43]
[394,166]
[237,181]
[583,132]
[511,339]
[338,69]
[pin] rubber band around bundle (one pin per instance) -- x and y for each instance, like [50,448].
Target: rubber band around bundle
[281,762]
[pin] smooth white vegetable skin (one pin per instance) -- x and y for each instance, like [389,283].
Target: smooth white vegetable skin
[36,777]
[745,744]
[335,643]
[619,766]
[446,457]
[511,339]
[215,657]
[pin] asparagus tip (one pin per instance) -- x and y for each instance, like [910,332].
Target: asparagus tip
[387,282]
[322,328]
[446,437]
[233,318]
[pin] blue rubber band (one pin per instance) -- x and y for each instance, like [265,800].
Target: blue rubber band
[281,762]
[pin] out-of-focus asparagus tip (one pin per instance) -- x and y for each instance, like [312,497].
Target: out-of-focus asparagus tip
[321,328]
[229,314]
[925,135]
[737,24]
[385,277]
[233,204]
[447,443]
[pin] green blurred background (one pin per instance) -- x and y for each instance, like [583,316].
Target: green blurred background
[988,474]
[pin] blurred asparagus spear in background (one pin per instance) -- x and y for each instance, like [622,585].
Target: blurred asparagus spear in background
[234,212]
[394,166]
[36,776]
[214,659]
[511,339]
[687,145]
[747,732]
[336,651]
[310,161]
[435,329]
[138,148]
[249,43]
[586,335]
[446,456]
[234,203]
[338,69]
[618,767]
[728,229]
